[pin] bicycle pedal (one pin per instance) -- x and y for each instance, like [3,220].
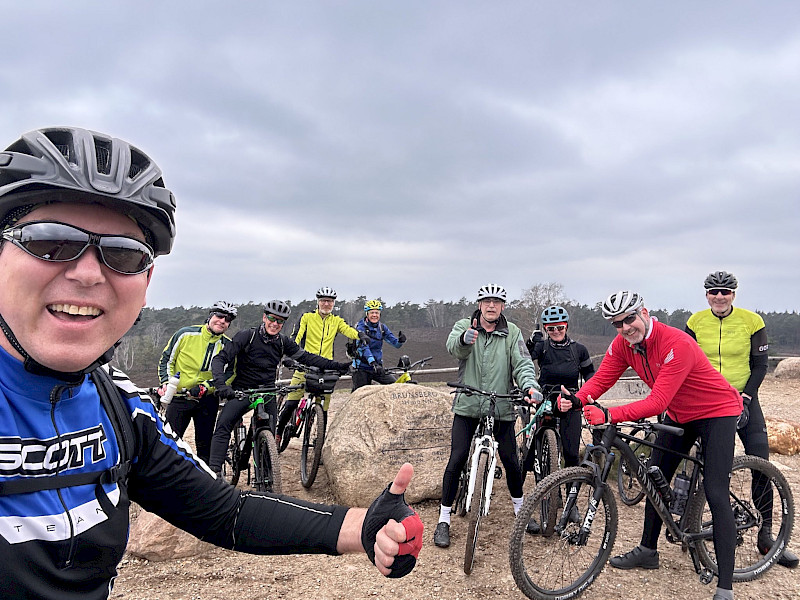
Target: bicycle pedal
[498,473]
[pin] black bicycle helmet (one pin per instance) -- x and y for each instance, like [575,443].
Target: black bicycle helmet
[279,308]
[326,292]
[620,303]
[554,314]
[721,280]
[78,165]
[225,307]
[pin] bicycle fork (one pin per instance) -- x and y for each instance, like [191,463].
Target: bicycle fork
[484,444]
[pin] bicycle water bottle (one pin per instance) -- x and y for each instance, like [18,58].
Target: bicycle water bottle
[681,493]
[172,386]
[661,484]
[298,414]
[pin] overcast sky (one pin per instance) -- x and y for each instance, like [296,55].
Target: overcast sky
[414,150]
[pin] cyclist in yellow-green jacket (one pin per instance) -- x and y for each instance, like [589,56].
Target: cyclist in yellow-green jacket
[316,333]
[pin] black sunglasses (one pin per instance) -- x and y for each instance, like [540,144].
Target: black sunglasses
[715,291]
[274,319]
[58,242]
[555,327]
[626,321]
[222,315]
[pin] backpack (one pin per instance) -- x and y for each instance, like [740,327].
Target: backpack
[120,417]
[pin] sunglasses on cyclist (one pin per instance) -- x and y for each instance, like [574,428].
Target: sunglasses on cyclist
[626,321]
[555,327]
[274,319]
[52,241]
[715,291]
[222,315]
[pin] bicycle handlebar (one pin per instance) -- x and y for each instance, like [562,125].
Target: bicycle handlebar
[278,390]
[293,364]
[514,394]
[649,425]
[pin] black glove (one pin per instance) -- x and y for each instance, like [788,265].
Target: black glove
[225,392]
[401,337]
[576,402]
[342,367]
[364,338]
[378,368]
[744,418]
[536,336]
[198,391]
[393,506]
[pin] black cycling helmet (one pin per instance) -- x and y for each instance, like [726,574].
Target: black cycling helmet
[225,307]
[721,280]
[554,314]
[279,308]
[70,164]
[326,292]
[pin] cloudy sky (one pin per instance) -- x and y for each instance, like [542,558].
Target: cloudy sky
[414,150]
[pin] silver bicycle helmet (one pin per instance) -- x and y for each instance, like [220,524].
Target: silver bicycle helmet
[225,307]
[492,290]
[76,165]
[326,292]
[620,303]
[721,280]
[279,308]
[554,314]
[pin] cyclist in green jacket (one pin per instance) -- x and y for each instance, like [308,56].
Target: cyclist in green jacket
[491,355]
[316,333]
[189,352]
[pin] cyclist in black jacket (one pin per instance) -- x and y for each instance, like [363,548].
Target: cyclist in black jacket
[256,353]
[82,216]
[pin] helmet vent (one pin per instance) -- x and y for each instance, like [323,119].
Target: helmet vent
[102,151]
[139,163]
[62,140]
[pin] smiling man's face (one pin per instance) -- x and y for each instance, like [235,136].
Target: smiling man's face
[67,314]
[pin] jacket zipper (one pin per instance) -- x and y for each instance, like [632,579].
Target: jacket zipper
[55,395]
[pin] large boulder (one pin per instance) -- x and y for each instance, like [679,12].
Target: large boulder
[788,368]
[377,430]
[154,539]
[783,435]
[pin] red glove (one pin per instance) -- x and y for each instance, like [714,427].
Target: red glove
[596,414]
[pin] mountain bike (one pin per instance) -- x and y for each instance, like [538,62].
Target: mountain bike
[565,565]
[405,369]
[258,439]
[477,478]
[539,444]
[308,419]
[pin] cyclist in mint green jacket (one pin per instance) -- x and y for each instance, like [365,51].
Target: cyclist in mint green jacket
[491,355]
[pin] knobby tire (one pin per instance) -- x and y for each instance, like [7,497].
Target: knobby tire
[546,568]
[476,511]
[313,440]
[460,503]
[268,469]
[630,490]
[549,464]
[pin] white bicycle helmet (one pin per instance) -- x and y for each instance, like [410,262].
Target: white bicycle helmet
[279,308]
[620,303]
[225,307]
[554,314]
[721,280]
[326,292]
[492,290]
[69,164]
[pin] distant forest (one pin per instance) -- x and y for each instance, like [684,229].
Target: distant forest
[426,326]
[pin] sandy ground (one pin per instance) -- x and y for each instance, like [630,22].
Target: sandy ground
[227,575]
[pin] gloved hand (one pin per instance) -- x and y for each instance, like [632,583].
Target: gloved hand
[536,336]
[567,400]
[596,414]
[198,391]
[342,367]
[225,392]
[364,338]
[534,396]
[378,368]
[470,335]
[744,418]
[401,337]
[393,506]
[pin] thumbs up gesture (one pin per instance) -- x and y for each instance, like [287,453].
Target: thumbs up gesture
[470,335]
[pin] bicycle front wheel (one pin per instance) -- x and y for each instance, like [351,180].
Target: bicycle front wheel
[476,511]
[565,564]
[630,490]
[761,500]
[549,463]
[313,439]
[268,466]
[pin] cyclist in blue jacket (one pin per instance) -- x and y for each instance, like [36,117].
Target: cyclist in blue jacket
[369,360]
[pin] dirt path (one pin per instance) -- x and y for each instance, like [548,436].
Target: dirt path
[228,575]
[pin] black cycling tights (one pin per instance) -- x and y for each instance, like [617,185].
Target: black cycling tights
[460,440]
[718,436]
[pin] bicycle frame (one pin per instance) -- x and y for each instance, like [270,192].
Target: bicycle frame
[483,443]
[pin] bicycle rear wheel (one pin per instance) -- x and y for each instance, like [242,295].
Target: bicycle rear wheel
[549,464]
[268,466]
[232,465]
[476,511]
[523,417]
[460,503]
[630,490]
[313,439]
[760,497]
[563,565]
